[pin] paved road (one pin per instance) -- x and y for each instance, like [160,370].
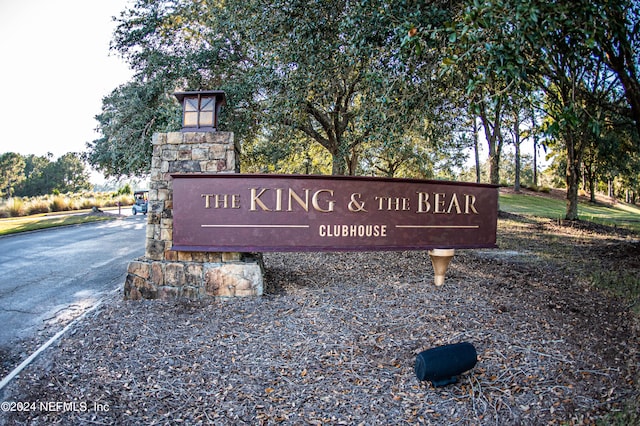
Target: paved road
[48,277]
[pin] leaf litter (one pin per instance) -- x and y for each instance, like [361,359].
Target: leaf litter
[335,338]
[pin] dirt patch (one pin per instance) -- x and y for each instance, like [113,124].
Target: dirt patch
[336,337]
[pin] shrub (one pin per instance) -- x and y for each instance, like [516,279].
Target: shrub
[125,200]
[104,200]
[125,190]
[60,204]
[87,203]
[4,209]
[38,206]
[537,188]
[16,207]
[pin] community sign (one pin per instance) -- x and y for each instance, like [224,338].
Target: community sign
[247,213]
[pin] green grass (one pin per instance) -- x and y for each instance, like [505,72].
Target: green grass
[620,215]
[40,221]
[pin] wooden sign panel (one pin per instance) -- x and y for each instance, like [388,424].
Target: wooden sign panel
[245,213]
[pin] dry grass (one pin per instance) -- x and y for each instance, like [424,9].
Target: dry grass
[25,206]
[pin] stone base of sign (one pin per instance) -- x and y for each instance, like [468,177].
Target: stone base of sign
[163,273]
[215,277]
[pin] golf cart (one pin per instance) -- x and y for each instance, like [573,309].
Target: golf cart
[141,202]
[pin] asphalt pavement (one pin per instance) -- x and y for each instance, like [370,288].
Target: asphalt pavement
[51,276]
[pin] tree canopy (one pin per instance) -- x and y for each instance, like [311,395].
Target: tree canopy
[33,175]
[562,49]
[11,172]
[381,87]
[327,73]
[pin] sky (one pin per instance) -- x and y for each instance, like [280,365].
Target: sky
[55,68]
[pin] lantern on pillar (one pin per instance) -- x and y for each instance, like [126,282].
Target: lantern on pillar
[200,109]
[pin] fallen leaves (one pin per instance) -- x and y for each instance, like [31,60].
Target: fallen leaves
[335,339]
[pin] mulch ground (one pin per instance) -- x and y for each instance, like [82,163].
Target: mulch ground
[335,339]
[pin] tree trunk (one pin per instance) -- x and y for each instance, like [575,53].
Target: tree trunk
[573,178]
[352,163]
[610,188]
[516,140]
[494,169]
[535,148]
[516,185]
[494,139]
[330,137]
[590,178]
[494,157]
[476,148]
[572,193]
[339,165]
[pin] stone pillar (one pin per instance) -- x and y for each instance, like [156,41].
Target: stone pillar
[163,273]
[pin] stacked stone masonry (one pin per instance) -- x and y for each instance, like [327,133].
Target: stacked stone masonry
[167,274]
